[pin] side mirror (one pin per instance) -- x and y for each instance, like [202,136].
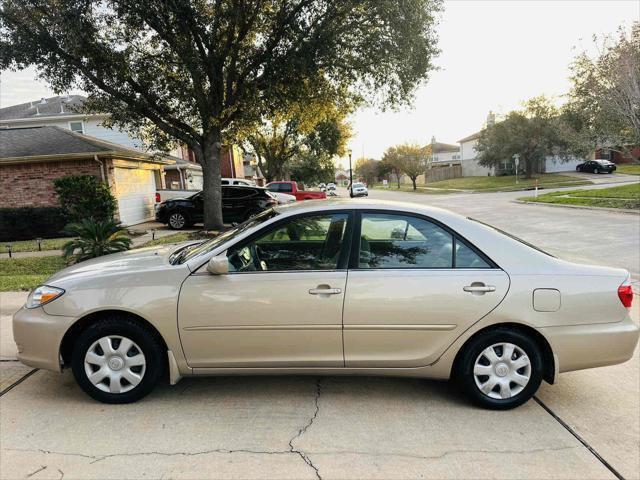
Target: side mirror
[218,265]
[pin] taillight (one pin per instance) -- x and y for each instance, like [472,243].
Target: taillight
[157,197]
[625,294]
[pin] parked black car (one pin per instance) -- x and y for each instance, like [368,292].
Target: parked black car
[238,204]
[596,166]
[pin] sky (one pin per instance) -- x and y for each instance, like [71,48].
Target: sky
[495,55]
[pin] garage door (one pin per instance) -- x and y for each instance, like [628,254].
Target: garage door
[136,194]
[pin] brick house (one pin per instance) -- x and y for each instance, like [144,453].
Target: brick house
[31,158]
[617,155]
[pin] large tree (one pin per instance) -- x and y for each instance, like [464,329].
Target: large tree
[200,71]
[391,163]
[368,170]
[534,133]
[413,161]
[297,132]
[604,102]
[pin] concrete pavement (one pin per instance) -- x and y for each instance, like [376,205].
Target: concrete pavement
[342,427]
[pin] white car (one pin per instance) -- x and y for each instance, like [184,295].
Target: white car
[237,181]
[358,189]
[331,186]
[283,198]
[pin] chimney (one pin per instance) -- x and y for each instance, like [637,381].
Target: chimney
[61,107]
[433,139]
[491,119]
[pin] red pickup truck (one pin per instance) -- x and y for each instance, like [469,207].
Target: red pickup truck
[291,188]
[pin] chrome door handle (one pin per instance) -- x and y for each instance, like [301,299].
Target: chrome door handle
[479,288]
[325,291]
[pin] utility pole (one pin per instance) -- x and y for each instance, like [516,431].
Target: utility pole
[350,175]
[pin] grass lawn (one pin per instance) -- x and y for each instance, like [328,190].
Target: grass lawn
[32,245]
[176,238]
[629,169]
[508,183]
[26,273]
[626,196]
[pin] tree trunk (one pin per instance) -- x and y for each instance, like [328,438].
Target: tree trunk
[398,179]
[208,155]
[413,180]
[528,167]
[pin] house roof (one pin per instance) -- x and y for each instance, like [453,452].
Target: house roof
[60,106]
[439,147]
[180,163]
[473,136]
[27,144]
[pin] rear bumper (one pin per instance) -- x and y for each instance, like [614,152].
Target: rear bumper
[38,337]
[586,346]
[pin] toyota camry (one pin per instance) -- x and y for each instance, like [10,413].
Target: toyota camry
[332,288]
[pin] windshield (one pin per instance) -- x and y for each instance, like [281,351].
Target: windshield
[358,185]
[524,242]
[191,251]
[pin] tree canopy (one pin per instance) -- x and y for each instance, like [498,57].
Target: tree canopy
[535,132]
[604,101]
[202,71]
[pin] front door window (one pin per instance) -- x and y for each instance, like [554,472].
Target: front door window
[304,243]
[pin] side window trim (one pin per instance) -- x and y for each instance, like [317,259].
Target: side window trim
[344,255]
[357,231]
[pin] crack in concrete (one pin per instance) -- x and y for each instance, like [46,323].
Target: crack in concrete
[292,450]
[43,467]
[303,430]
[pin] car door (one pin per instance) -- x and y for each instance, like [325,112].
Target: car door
[197,210]
[413,287]
[280,305]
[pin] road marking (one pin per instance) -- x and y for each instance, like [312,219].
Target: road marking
[579,438]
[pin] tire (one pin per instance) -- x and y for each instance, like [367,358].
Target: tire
[513,393]
[177,220]
[596,171]
[117,330]
[578,169]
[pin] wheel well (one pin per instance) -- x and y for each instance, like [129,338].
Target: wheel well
[66,347]
[548,362]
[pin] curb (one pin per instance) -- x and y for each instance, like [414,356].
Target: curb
[580,207]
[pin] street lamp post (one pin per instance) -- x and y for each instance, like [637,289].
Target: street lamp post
[350,175]
[516,160]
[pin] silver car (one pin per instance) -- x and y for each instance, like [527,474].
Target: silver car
[332,288]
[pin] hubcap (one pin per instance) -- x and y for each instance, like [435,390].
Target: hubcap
[177,220]
[502,370]
[114,364]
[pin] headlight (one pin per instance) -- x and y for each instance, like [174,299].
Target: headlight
[43,294]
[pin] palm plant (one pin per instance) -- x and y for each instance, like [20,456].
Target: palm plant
[94,238]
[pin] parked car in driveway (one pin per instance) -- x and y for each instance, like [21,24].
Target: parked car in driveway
[331,288]
[596,166]
[238,204]
[292,188]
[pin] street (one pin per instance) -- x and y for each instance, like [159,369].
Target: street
[586,426]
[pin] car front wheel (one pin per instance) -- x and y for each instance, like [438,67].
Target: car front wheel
[117,360]
[178,220]
[500,369]
[596,171]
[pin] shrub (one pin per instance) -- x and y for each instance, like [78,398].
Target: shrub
[84,196]
[94,239]
[28,223]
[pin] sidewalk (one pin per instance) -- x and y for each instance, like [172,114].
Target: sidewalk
[136,242]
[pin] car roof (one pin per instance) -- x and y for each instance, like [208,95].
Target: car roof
[347,204]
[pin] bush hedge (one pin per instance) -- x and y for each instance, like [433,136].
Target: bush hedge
[84,196]
[28,223]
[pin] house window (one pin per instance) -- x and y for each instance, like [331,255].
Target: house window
[77,127]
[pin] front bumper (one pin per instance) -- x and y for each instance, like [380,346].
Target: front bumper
[597,345]
[38,337]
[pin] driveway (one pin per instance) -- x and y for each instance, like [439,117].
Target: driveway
[586,426]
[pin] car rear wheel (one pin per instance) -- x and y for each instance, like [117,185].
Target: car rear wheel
[596,171]
[500,369]
[178,220]
[117,360]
